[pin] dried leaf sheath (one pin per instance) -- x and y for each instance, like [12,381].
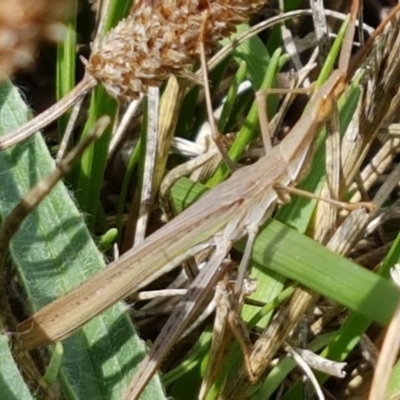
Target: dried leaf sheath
[158,40]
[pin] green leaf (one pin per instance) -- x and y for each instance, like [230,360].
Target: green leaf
[53,253]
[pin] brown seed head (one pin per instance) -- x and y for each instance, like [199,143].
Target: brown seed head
[23,23]
[158,40]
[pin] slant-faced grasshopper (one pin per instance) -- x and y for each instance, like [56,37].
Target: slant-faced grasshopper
[221,217]
[227,212]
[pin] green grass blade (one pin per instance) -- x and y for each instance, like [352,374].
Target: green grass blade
[255,54]
[92,166]
[117,10]
[231,96]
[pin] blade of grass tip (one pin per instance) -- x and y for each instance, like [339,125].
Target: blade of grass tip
[59,254]
[328,66]
[254,53]
[12,385]
[107,240]
[66,64]
[250,127]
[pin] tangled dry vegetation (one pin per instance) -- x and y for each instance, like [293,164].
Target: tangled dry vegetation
[323,301]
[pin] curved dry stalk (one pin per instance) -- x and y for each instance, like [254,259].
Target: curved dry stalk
[52,113]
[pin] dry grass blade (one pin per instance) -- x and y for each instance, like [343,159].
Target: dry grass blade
[220,337]
[146,197]
[39,122]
